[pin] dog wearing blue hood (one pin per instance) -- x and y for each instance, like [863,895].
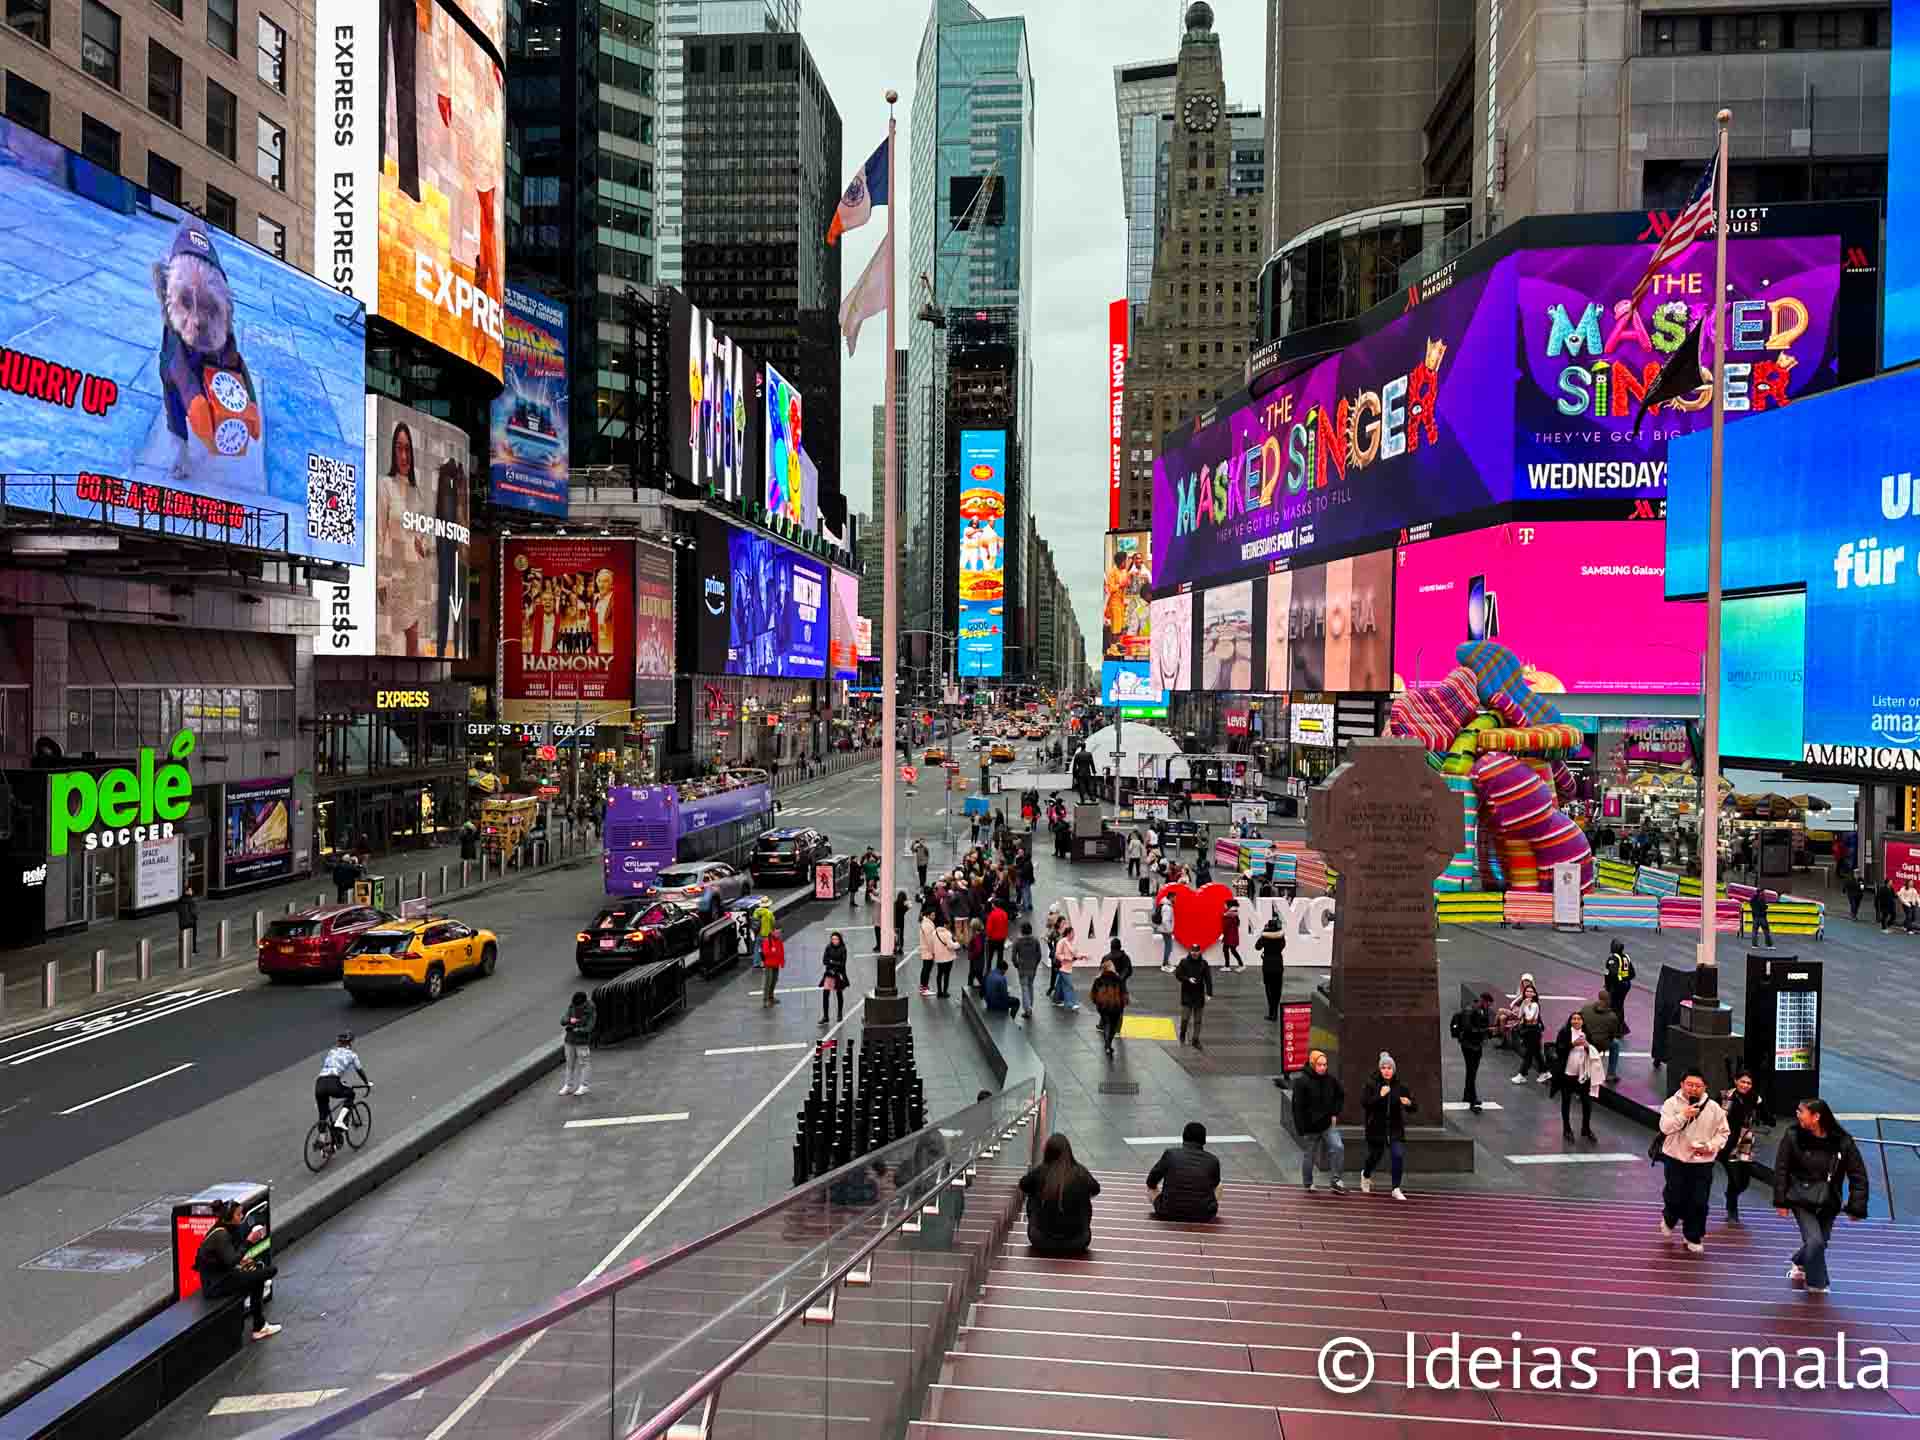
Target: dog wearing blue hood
[211,404]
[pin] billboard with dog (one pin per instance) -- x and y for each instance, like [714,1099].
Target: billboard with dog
[156,373]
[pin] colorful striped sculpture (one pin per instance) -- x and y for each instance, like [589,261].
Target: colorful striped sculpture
[1502,686]
[1518,803]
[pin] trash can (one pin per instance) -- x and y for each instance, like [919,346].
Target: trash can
[832,877]
[193,1222]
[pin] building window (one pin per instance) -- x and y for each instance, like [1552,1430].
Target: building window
[28,104]
[100,43]
[726,59]
[273,55]
[223,120]
[163,83]
[756,59]
[783,57]
[172,7]
[271,163]
[29,17]
[223,25]
[696,59]
[163,177]
[269,236]
[221,209]
[100,143]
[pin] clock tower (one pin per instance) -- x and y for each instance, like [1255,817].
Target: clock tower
[1188,346]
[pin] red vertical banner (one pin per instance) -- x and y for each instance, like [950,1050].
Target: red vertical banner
[1116,398]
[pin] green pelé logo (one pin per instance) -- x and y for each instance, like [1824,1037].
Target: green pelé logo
[120,807]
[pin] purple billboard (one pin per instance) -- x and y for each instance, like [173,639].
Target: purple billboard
[1395,427]
[1585,360]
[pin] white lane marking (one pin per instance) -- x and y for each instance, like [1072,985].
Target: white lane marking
[607,1120]
[93,1019]
[261,1404]
[760,1049]
[1175,1140]
[1462,1105]
[520,1351]
[115,1094]
[1876,1115]
[45,1050]
[1603,1158]
[1581,998]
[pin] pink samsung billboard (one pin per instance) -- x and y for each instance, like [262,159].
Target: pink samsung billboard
[1581,604]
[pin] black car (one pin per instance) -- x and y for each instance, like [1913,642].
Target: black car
[635,932]
[789,855]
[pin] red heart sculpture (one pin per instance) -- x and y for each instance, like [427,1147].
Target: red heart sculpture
[1198,915]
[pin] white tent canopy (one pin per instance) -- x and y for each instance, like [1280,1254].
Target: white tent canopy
[1143,750]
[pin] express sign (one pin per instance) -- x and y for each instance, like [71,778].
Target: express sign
[121,807]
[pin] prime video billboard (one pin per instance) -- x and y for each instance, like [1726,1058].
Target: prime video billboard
[1901,336]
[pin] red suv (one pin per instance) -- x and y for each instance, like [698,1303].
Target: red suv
[310,944]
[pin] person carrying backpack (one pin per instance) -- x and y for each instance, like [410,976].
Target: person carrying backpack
[1469,1029]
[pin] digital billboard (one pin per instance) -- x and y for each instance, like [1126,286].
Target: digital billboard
[567,618]
[527,449]
[259,831]
[1585,363]
[1226,637]
[1820,497]
[158,373]
[714,435]
[1116,407]
[787,496]
[410,597]
[409,169]
[843,649]
[1901,337]
[1126,669]
[778,621]
[653,648]
[1581,604]
[1403,425]
[713,587]
[1763,663]
[1330,627]
[1171,623]
[983,546]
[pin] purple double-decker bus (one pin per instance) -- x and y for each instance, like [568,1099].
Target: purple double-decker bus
[650,827]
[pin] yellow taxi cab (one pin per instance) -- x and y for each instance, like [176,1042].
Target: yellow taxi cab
[417,957]
[1001,750]
[936,755]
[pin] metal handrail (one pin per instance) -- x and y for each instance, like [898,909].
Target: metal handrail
[709,1384]
[581,1297]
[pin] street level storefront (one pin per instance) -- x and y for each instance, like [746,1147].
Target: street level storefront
[748,720]
[389,759]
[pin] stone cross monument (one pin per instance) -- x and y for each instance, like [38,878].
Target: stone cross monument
[1388,824]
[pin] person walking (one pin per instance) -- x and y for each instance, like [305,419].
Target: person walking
[1695,1130]
[1807,1168]
[1163,922]
[1387,1103]
[1059,1199]
[1527,1029]
[1883,905]
[1023,874]
[1469,1028]
[1318,1099]
[576,1038]
[1272,946]
[1122,962]
[1026,963]
[999,923]
[870,871]
[1855,892]
[773,959]
[922,857]
[1582,1071]
[1185,1182]
[1196,984]
[763,924]
[1109,997]
[1605,1025]
[946,947]
[929,943]
[187,917]
[1136,852]
[1761,925]
[1230,957]
[1619,974]
[834,979]
[1065,954]
[1746,1112]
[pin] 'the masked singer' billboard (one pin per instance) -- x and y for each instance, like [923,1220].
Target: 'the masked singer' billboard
[528,441]
[983,549]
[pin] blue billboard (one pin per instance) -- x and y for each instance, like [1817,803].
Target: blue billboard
[778,619]
[983,552]
[1763,659]
[1820,497]
[528,440]
[1901,337]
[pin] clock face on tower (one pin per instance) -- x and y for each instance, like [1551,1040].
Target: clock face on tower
[1201,112]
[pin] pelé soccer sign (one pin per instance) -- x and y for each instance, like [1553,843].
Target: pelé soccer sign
[120,807]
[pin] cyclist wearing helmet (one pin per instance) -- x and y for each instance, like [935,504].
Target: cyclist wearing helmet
[331,1083]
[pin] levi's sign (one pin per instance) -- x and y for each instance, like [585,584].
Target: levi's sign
[121,807]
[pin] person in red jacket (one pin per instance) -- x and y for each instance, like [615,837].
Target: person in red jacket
[773,955]
[998,923]
[1230,939]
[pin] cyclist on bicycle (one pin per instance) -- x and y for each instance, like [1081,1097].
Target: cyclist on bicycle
[331,1084]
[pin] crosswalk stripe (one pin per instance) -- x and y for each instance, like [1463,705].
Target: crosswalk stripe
[1603,1158]
[261,1404]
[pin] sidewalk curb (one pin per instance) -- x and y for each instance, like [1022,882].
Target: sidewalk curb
[328,1198]
[16,1023]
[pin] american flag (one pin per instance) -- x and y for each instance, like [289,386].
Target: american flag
[1696,220]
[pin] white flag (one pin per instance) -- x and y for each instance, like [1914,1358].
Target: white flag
[870,296]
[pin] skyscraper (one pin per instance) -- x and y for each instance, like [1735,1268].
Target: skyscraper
[970,235]
[881,528]
[678,20]
[762,170]
[1143,100]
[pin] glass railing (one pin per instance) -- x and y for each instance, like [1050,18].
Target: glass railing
[1450,246]
[825,1313]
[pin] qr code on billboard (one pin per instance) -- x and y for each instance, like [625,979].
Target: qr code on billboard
[332,499]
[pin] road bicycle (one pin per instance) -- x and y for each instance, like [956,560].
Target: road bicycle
[356,1118]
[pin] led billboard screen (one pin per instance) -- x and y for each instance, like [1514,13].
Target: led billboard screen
[1330,627]
[843,652]
[983,547]
[1126,668]
[714,437]
[567,618]
[1901,338]
[529,432]
[777,609]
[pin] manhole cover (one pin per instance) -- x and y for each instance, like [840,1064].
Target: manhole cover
[124,1243]
[1120,1087]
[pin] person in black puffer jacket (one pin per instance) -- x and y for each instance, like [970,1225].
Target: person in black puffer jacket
[1816,1151]
[1318,1099]
[1387,1103]
[1272,946]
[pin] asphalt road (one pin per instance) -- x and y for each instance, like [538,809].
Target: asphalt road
[124,1106]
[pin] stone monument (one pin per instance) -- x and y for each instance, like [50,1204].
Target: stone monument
[1387,823]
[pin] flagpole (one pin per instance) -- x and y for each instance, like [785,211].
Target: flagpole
[890,944]
[1706,985]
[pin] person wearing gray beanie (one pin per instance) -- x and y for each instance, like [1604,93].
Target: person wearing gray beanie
[1387,1103]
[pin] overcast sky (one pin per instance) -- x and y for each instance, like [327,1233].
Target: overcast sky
[1079,248]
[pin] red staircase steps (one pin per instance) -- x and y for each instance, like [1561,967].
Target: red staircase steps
[1213,1332]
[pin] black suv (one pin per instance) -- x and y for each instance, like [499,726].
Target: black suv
[789,855]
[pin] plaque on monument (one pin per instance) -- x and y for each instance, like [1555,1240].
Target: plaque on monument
[1388,824]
